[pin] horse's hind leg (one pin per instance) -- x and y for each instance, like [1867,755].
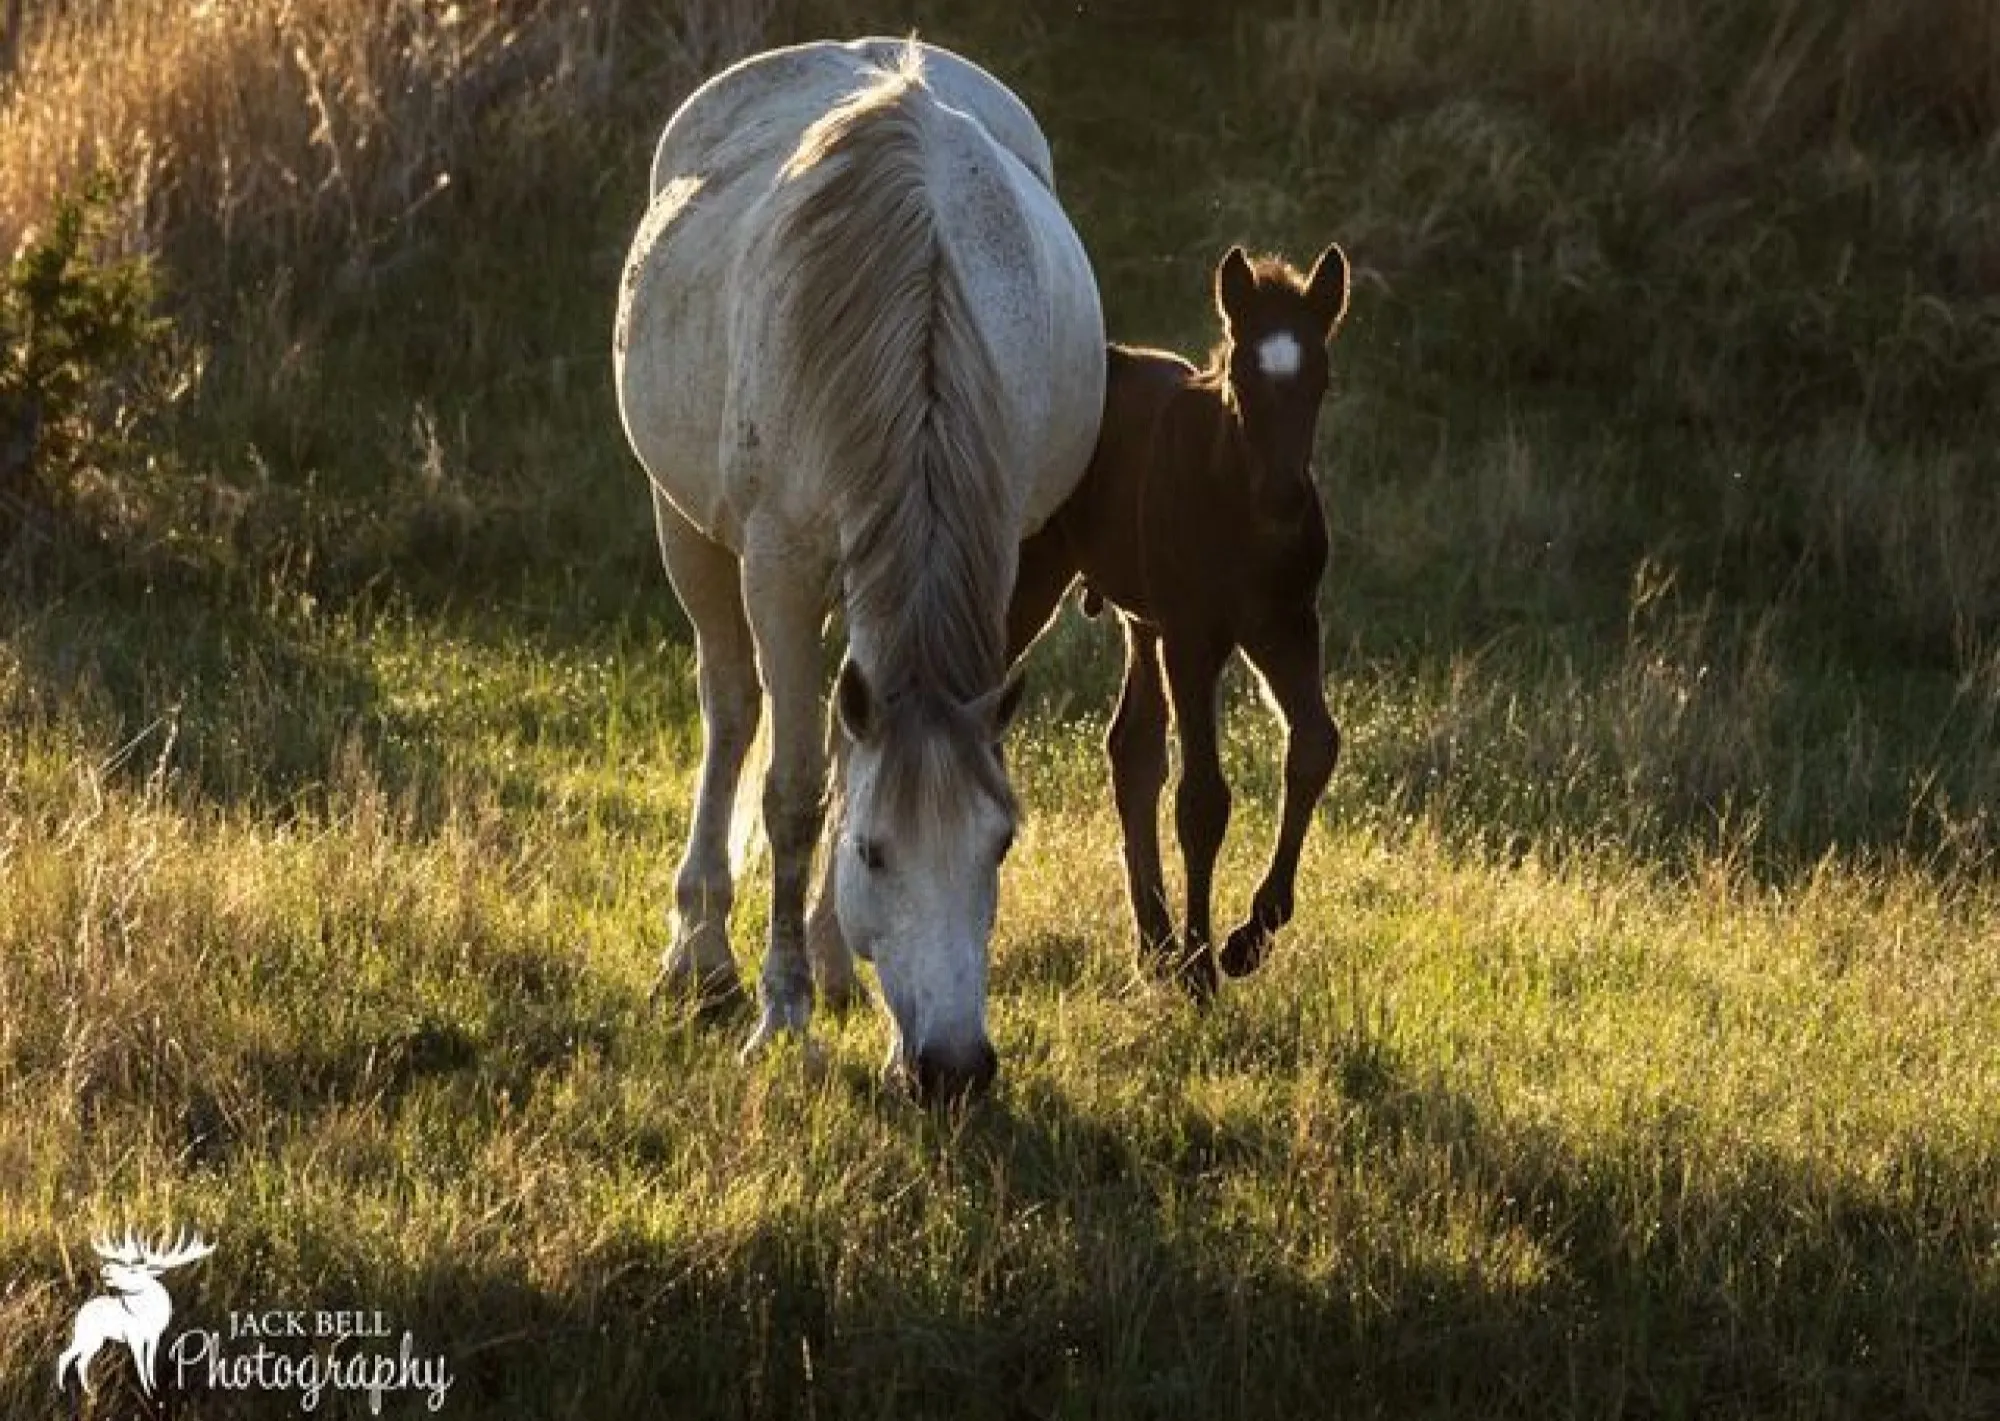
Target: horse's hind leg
[786,603]
[1137,746]
[1290,666]
[708,580]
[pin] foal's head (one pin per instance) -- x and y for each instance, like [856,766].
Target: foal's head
[1276,325]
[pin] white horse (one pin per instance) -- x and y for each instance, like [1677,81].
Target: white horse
[860,353]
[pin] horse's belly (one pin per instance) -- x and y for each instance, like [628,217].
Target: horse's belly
[672,372]
[1032,287]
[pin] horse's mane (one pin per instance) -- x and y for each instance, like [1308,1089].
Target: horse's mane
[896,392]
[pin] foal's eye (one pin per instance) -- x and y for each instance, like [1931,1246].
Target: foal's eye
[870,853]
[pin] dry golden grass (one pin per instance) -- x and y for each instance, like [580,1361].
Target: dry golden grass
[311,131]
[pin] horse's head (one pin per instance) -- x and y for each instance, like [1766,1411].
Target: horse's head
[927,818]
[1276,327]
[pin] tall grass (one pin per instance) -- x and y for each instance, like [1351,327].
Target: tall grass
[1754,249]
[307,134]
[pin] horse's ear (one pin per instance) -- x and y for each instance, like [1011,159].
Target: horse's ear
[854,702]
[1326,288]
[999,707]
[1235,284]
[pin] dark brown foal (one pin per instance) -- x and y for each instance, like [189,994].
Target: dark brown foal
[1198,520]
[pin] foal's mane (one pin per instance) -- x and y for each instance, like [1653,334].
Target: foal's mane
[897,392]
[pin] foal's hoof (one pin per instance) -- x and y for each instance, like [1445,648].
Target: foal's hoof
[1246,948]
[1196,975]
[1192,969]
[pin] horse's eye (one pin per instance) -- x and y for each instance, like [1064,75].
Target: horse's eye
[870,853]
[1006,844]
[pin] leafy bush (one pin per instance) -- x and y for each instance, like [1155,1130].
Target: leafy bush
[86,363]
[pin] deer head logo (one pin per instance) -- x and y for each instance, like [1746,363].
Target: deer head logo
[137,1310]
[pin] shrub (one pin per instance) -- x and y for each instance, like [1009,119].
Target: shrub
[86,365]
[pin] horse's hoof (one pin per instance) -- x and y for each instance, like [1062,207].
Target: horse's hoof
[777,1028]
[706,995]
[842,997]
[1246,948]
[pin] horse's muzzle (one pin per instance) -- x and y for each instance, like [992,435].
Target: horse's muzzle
[943,1075]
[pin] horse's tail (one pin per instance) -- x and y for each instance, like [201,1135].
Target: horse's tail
[895,395]
[746,811]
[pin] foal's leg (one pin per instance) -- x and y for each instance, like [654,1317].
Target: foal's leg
[1290,665]
[786,604]
[1045,573]
[708,580]
[1137,745]
[1201,803]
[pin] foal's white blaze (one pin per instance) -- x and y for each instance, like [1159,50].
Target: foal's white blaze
[1278,356]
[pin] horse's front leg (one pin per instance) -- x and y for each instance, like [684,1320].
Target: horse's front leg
[708,580]
[1201,804]
[1137,747]
[1289,662]
[785,599]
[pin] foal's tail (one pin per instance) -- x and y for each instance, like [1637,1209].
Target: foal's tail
[896,401]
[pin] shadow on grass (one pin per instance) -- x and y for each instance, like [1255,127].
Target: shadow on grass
[1048,1261]
[1106,1273]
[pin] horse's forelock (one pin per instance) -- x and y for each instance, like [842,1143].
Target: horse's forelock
[937,757]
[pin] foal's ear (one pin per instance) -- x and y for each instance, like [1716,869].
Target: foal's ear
[854,702]
[1235,284]
[1326,288]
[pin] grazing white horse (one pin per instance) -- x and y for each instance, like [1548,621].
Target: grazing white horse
[860,353]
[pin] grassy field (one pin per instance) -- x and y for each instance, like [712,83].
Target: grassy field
[1636,1049]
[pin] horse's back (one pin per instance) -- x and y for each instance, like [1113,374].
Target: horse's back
[759,107]
[695,344]
[1138,380]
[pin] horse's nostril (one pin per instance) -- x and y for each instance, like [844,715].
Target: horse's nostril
[946,1076]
